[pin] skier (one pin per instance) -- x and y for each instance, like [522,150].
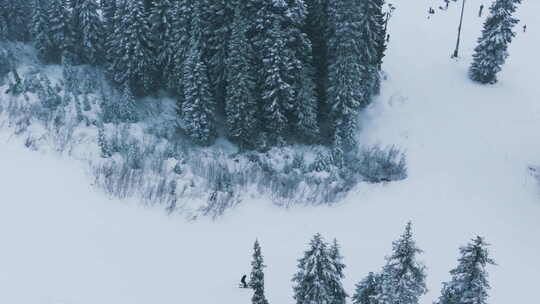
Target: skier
[447,2]
[431,11]
[524,28]
[243,282]
[481,9]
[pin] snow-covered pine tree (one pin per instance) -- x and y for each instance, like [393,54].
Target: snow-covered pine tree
[181,35]
[17,16]
[198,107]
[368,290]
[161,24]
[346,91]
[58,29]
[317,277]
[492,49]
[256,281]
[40,26]
[303,115]
[373,43]
[403,276]
[132,59]
[108,9]
[126,109]
[339,295]
[222,12]
[111,18]
[103,144]
[4,33]
[90,32]
[469,283]
[241,106]
[277,90]
[317,31]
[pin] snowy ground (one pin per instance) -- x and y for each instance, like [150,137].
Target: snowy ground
[468,147]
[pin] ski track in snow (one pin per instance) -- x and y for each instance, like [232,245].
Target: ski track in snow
[62,242]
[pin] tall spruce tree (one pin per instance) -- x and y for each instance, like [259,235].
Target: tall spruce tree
[17,16]
[346,92]
[257,276]
[368,290]
[4,33]
[111,18]
[318,33]
[221,22]
[58,30]
[317,280]
[132,62]
[161,24]
[198,107]
[126,108]
[241,107]
[373,43]
[303,114]
[492,49]
[469,283]
[178,48]
[90,32]
[339,295]
[40,27]
[403,276]
[108,9]
[277,90]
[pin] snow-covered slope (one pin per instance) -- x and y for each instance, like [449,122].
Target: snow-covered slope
[468,147]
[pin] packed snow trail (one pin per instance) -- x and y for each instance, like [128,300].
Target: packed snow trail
[468,148]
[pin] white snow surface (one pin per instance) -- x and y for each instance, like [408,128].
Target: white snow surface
[469,148]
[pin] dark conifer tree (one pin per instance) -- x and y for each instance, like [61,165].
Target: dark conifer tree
[133,62]
[257,276]
[90,32]
[111,19]
[368,290]
[178,49]
[469,284]
[108,8]
[198,107]
[318,30]
[40,27]
[403,276]
[126,110]
[317,280]
[492,49]
[277,91]
[303,115]
[241,107]
[58,29]
[339,295]
[222,14]
[318,33]
[346,92]
[3,21]
[17,16]
[162,15]
[373,43]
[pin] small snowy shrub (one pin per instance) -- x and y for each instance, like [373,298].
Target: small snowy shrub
[48,95]
[382,165]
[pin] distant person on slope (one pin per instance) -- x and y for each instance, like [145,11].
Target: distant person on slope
[243,282]
[524,28]
[480,11]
